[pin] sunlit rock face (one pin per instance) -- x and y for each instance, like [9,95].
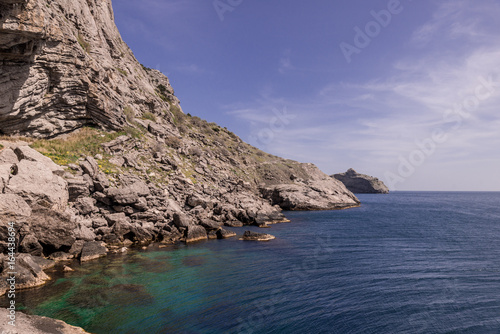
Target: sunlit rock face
[63,65]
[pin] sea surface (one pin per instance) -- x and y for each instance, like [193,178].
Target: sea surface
[408,262]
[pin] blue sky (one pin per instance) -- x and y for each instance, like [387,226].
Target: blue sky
[407,91]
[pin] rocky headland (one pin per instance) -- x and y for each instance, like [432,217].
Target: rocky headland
[361,183]
[96,154]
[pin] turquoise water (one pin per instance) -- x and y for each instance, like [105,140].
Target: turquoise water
[401,263]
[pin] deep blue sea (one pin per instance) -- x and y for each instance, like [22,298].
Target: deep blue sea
[408,262]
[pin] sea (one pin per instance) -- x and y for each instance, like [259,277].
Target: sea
[407,262]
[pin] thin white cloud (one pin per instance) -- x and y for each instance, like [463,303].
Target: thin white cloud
[285,63]
[372,123]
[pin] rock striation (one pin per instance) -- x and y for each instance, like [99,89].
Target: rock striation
[361,183]
[64,66]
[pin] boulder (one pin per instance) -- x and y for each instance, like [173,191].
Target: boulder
[224,234]
[233,223]
[77,247]
[7,156]
[29,271]
[86,205]
[361,183]
[101,182]
[5,172]
[254,236]
[182,220]
[33,324]
[37,184]
[27,153]
[93,250]
[99,222]
[84,233]
[124,195]
[210,224]
[115,218]
[77,187]
[53,230]
[196,233]
[90,166]
[14,205]
[30,245]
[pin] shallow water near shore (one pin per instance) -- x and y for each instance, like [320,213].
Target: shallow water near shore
[408,262]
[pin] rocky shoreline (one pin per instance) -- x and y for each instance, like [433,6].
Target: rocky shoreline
[97,156]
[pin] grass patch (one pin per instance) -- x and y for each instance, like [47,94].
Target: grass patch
[83,43]
[150,116]
[123,72]
[133,132]
[178,115]
[129,113]
[86,142]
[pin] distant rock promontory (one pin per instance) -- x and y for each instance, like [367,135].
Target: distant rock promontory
[361,183]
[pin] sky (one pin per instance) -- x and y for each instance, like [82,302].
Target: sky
[407,91]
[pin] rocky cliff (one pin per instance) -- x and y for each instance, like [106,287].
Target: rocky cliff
[64,66]
[108,159]
[361,183]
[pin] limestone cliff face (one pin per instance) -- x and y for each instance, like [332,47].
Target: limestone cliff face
[361,183]
[63,65]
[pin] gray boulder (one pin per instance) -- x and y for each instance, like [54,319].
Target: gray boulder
[7,156]
[182,220]
[84,233]
[36,183]
[93,250]
[27,153]
[29,271]
[14,205]
[224,234]
[30,245]
[5,172]
[53,230]
[196,233]
[33,324]
[86,205]
[254,236]
[124,195]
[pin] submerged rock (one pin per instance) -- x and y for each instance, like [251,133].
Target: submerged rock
[361,183]
[93,250]
[254,236]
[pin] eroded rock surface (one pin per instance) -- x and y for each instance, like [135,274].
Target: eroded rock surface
[64,65]
[33,324]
